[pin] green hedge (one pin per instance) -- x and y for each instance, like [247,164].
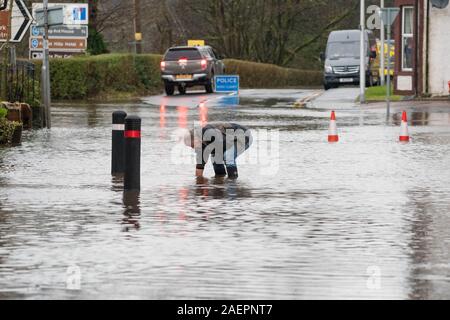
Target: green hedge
[3,112]
[261,75]
[110,75]
[7,129]
[124,75]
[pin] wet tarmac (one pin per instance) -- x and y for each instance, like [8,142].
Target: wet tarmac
[363,219]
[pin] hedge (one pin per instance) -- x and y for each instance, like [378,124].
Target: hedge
[261,75]
[122,75]
[104,75]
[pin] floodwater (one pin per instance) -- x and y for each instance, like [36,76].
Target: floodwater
[365,218]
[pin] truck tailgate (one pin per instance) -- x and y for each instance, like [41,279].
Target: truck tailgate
[183,67]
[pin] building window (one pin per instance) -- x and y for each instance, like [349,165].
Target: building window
[407,38]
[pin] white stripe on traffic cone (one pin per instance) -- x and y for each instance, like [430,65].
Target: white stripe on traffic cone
[404,133]
[333,136]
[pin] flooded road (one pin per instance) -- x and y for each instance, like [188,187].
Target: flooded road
[365,218]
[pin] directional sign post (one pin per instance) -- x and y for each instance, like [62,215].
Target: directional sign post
[74,14]
[388,16]
[21,21]
[60,44]
[39,54]
[60,32]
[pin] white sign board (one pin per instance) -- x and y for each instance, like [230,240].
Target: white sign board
[55,16]
[21,21]
[74,13]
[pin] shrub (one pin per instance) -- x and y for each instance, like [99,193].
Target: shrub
[114,75]
[261,75]
[3,112]
[95,76]
[7,129]
[96,43]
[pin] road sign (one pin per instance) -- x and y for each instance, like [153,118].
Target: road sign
[63,44]
[39,54]
[388,15]
[60,32]
[74,13]
[196,43]
[55,16]
[21,21]
[227,83]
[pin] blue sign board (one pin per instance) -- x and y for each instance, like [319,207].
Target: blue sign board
[79,14]
[227,83]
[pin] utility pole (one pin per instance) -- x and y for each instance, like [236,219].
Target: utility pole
[137,27]
[46,92]
[382,36]
[363,54]
[388,92]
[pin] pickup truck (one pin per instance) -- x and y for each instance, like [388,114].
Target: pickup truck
[185,67]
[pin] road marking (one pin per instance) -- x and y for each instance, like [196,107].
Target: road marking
[301,103]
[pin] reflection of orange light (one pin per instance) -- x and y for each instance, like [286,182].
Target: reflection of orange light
[183,193]
[162,121]
[162,116]
[203,114]
[182,117]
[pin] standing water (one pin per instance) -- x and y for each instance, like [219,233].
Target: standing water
[365,218]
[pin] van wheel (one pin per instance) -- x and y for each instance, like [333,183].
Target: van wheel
[327,87]
[182,90]
[170,89]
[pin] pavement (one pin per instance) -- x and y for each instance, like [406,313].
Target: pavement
[336,99]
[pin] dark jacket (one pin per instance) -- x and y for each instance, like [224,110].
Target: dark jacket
[230,135]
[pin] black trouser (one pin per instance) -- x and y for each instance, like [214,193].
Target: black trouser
[227,165]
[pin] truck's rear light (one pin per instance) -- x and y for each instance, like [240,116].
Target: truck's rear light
[163,65]
[183,60]
[204,64]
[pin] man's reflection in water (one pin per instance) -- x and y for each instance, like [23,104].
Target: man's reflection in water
[221,188]
[132,212]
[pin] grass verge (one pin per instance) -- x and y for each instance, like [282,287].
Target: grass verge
[376,94]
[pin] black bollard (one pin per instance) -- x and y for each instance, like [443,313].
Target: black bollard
[118,143]
[132,179]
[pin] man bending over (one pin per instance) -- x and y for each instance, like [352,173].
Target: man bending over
[223,143]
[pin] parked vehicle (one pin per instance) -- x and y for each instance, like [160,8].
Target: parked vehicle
[185,67]
[342,59]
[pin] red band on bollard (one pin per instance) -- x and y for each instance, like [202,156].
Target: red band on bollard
[133,134]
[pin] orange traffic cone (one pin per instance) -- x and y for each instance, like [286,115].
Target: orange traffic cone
[333,133]
[404,134]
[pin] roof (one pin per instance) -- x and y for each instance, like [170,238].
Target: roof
[345,35]
[188,47]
